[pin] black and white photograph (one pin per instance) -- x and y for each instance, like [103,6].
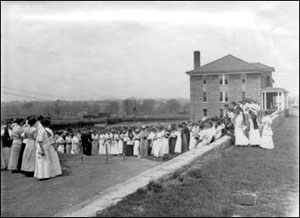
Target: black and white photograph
[149,109]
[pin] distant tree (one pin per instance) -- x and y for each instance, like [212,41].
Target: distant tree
[186,107]
[172,106]
[127,105]
[57,108]
[147,106]
[160,108]
[112,107]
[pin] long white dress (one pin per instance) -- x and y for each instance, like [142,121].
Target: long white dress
[55,167]
[120,144]
[178,142]
[240,138]
[108,139]
[61,147]
[193,141]
[136,148]
[154,142]
[254,135]
[267,134]
[158,145]
[15,148]
[165,145]
[3,165]
[28,160]
[114,145]
[75,145]
[42,163]
[101,144]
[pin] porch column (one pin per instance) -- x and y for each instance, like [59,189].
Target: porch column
[265,101]
[278,102]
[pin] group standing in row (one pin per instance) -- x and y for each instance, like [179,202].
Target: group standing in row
[28,146]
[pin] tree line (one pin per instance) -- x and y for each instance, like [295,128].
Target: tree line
[65,109]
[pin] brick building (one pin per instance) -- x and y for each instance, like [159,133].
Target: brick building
[231,79]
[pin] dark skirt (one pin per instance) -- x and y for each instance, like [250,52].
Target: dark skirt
[149,146]
[129,150]
[87,149]
[172,143]
[23,145]
[185,143]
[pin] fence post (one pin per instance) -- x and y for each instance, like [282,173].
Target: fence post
[106,151]
[124,147]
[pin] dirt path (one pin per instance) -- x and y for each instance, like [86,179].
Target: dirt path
[208,188]
[23,196]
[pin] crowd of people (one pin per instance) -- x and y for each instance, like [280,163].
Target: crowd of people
[28,146]
[31,147]
[251,125]
[143,141]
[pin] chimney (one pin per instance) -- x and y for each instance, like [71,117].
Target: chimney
[197,62]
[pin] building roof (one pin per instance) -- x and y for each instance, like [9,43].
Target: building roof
[230,63]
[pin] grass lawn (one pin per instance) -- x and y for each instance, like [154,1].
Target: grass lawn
[207,188]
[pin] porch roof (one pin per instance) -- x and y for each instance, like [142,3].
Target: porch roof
[274,89]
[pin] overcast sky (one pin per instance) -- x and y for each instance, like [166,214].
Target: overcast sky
[96,50]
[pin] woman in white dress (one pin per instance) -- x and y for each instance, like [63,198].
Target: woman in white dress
[28,160]
[107,143]
[150,140]
[55,167]
[178,144]
[136,147]
[154,141]
[95,143]
[75,145]
[16,146]
[68,143]
[61,143]
[47,161]
[114,143]
[194,133]
[121,142]
[101,143]
[158,144]
[254,135]
[165,143]
[239,127]
[267,133]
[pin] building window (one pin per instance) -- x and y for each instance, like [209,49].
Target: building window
[243,96]
[223,96]
[204,112]
[226,96]
[204,96]
[223,79]
[243,78]
[204,79]
[221,112]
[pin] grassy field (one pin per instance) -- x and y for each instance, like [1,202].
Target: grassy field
[207,188]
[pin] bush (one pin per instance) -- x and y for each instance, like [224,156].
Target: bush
[155,187]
